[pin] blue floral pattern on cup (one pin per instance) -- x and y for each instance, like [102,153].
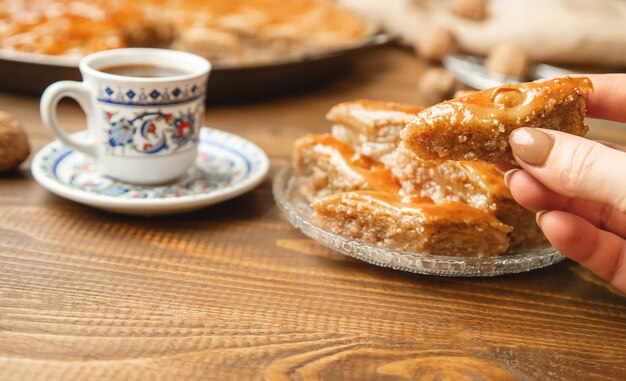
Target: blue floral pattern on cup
[150,132]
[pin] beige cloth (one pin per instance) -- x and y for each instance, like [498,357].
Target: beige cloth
[561,31]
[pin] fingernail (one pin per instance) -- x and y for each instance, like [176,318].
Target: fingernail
[507,176]
[531,145]
[539,215]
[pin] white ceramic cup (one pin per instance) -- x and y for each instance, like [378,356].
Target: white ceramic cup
[142,130]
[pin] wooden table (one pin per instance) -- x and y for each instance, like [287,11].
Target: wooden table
[233,292]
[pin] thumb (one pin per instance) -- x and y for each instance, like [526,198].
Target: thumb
[572,166]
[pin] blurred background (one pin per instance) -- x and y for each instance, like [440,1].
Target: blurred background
[263,48]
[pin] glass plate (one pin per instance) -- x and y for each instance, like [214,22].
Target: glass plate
[300,215]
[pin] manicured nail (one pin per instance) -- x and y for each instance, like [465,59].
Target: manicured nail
[531,145]
[507,176]
[539,215]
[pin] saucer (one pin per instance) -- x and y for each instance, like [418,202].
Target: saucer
[227,166]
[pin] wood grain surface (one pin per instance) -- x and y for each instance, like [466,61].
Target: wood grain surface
[233,292]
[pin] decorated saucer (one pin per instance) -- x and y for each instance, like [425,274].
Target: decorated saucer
[226,166]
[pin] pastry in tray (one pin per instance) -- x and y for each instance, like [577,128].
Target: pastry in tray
[414,224]
[477,126]
[232,32]
[371,127]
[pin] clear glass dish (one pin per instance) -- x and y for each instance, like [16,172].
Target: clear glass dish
[300,215]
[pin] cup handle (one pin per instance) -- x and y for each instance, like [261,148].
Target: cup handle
[49,102]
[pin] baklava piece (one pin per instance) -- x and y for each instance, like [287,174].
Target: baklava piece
[474,183]
[371,127]
[477,127]
[232,32]
[413,224]
[526,234]
[325,165]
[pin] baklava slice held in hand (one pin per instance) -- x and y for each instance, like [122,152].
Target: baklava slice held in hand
[477,126]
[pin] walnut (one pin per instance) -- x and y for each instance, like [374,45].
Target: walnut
[435,43]
[509,60]
[436,85]
[469,9]
[14,147]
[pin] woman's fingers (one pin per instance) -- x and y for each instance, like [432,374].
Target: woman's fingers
[608,98]
[602,252]
[572,166]
[505,167]
[535,196]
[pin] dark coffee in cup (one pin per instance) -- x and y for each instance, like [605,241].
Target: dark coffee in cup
[142,70]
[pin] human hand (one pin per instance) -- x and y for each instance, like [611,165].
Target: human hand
[577,186]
